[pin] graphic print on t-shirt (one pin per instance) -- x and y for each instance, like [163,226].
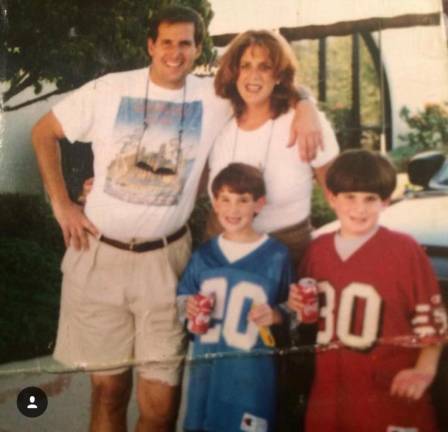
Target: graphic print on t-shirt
[152,165]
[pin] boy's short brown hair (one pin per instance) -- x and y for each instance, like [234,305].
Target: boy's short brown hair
[240,178]
[362,171]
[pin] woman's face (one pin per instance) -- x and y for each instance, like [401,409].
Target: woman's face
[256,78]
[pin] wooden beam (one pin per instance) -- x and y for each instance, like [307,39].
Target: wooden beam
[322,76]
[356,94]
[345,28]
[385,103]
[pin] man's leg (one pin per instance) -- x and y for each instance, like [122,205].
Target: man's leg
[158,404]
[110,398]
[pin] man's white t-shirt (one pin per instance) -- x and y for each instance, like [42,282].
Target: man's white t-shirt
[128,202]
[288,179]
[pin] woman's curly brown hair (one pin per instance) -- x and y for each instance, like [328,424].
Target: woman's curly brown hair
[285,93]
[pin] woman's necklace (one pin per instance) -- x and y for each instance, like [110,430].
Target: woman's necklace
[264,160]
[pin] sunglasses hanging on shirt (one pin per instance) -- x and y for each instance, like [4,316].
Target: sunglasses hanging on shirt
[166,160]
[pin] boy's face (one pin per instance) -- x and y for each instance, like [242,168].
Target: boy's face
[236,212]
[358,212]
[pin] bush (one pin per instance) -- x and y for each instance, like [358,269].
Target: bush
[31,248]
[340,119]
[29,293]
[198,220]
[428,130]
[29,217]
[321,212]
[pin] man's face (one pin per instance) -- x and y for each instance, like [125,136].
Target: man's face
[173,54]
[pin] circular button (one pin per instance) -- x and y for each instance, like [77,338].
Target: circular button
[32,402]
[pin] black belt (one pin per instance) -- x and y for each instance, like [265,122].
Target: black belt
[145,246]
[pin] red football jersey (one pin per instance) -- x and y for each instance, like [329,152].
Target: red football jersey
[376,308]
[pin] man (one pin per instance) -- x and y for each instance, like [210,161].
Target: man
[151,134]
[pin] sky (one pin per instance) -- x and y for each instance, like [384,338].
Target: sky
[234,16]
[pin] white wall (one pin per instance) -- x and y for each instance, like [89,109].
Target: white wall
[332,11]
[18,168]
[416,62]
[234,16]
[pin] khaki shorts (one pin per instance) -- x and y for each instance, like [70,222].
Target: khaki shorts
[118,309]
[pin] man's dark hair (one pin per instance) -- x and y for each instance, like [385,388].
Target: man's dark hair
[240,178]
[176,14]
[362,171]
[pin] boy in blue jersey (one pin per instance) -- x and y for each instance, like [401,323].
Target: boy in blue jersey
[232,384]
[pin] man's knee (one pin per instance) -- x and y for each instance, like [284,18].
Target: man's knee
[158,402]
[112,390]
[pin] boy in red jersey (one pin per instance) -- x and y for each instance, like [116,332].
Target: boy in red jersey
[381,316]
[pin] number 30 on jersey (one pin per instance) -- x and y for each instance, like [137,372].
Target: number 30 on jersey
[342,324]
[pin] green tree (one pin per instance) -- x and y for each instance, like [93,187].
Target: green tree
[428,128]
[69,42]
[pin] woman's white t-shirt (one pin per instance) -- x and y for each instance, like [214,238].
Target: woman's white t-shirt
[288,179]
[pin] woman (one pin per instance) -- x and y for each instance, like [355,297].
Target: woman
[257,75]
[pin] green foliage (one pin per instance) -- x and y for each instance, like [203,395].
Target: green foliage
[29,217]
[69,42]
[341,119]
[339,72]
[428,128]
[370,89]
[29,295]
[31,248]
[339,88]
[306,53]
[198,220]
[321,213]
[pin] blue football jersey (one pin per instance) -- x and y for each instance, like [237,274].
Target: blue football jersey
[232,382]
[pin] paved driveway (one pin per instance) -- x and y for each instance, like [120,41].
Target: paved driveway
[68,398]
